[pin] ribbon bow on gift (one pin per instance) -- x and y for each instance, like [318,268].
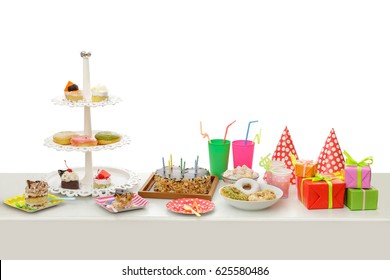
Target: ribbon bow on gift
[266,162]
[327,178]
[364,162]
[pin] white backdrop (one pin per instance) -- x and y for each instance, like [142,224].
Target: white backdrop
[310,65]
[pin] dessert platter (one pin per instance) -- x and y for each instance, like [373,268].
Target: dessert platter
[103,185]
[52,142]
[88,141]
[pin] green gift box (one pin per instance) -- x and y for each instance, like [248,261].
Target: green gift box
[362,199]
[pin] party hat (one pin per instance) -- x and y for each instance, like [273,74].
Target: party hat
[283,150]
[331,158]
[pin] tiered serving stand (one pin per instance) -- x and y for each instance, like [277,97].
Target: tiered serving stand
[121,178]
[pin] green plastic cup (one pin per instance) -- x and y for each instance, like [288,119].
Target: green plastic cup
[219,156]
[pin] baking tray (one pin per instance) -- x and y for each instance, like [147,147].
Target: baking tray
[147,190]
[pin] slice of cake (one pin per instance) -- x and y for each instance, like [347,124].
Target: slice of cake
[102,179]
[177,180]
[36,193]
[72,92]
[99,93]
[123,199]
[69,179]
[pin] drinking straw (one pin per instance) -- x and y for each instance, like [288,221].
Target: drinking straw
[258,137]
[265,162]
[224,138]
[247,131]
[204,134]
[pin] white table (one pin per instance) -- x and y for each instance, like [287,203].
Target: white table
[81,229]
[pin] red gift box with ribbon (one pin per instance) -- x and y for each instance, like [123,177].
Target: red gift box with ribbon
[321,192]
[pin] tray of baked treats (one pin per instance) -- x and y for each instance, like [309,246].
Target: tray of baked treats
[180,182]
[105,181]
[77,141]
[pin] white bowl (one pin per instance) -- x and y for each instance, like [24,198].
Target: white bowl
[254,205]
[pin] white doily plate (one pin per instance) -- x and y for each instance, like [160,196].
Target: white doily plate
[48,142]
[120,179]
[61,100]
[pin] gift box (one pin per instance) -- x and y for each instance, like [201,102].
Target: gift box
[357,177]
[357,174]
[361,199]
[321,192]
[305,168]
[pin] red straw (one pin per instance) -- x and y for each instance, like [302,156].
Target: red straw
[224,139]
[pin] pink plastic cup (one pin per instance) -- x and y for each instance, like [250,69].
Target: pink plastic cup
[274,164]
[281,179]
[243,153]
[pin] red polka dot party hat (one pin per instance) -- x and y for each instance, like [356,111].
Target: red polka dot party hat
[331,158]
[283,149]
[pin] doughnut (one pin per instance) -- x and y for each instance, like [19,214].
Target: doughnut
[63,137]
[247,186]
[83,140]
[107,137]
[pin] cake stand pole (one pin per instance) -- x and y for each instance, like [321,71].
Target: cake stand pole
[88,177]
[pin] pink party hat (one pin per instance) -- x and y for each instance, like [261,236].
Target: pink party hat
[283,150]
[331,158]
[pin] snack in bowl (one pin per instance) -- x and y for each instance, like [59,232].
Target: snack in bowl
[231,176]
[266,197]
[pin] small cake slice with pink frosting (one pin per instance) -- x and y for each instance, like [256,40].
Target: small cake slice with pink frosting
[102,179]
[83,140]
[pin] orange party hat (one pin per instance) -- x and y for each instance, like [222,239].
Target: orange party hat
[331,158]
[283,150]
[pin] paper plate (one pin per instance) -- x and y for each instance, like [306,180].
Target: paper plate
[106,203]
[19,202]
[177,205]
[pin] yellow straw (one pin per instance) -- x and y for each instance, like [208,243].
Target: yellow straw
[257,137]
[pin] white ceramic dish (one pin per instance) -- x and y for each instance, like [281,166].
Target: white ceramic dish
[254,205]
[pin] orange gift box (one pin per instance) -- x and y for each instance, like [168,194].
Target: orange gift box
[321,192]
[305,168]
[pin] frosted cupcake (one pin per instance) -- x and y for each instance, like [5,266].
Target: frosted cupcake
[99,93]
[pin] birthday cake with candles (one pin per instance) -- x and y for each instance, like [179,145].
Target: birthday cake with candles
[178,179]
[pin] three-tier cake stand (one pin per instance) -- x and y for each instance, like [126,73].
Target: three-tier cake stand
[121,178]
